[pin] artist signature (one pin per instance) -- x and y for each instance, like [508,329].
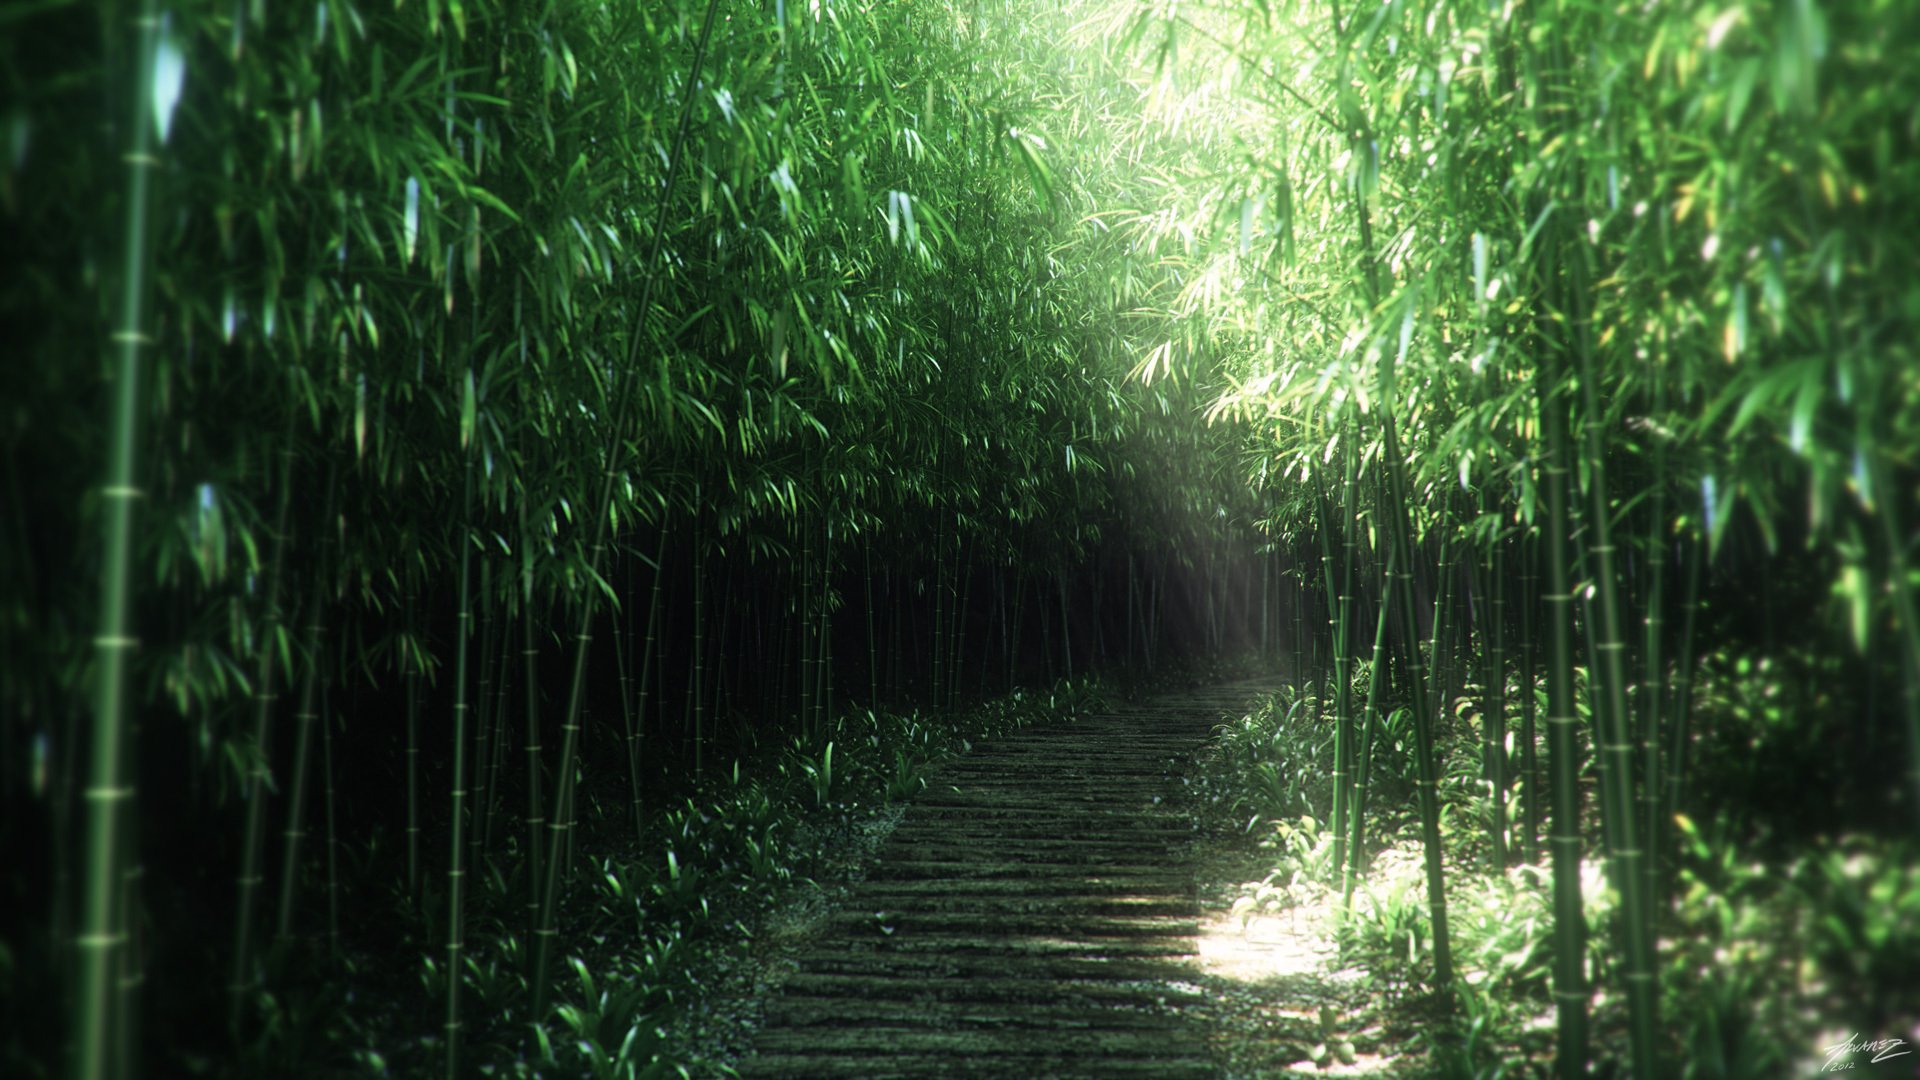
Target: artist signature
[1840,1054]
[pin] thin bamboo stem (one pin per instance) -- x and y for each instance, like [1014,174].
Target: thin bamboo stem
[259,772]
[297,799]
[456,865]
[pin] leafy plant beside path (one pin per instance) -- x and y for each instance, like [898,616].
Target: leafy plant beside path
[1775,945]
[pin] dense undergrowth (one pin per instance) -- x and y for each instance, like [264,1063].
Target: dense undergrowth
[667,938]
[1782,933]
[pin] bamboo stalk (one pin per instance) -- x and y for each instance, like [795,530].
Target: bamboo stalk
[496,764]
[536,802]
[1343,718]
[1653,678]
[1563,754]
[616,439]
[1399,530]
[958,637]
[259,773]
[1617,745]
[101,1018]
[333,833]
[1370,722]
[1529,752]
[411,667]
[1066,630]
[303,740]
[873,647]
[1497,701]
[939,596]
[635,733]
[804,627]
[696,700]
[482,717]
[456,860]
[1681,709]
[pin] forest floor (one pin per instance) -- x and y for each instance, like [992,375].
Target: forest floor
[1057,904]
[1278,1000]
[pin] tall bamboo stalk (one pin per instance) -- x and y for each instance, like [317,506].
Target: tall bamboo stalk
[696,698]
[536,802]
[409,661]
[1617,743]
[939,598]
[616,440]
[1399,531]
[495,764]
[635,733]
[1529,753]
[1339,584]
[1681,708]
[482,716]
[456,860]
[1563,753]
[873,648]
[333,833]
[1497,699]
[304,720]
[804,627]
[825,667]
[1066,630]
[1369,724]
[1653,678]
[99,1019]
[259,772]
[958,637]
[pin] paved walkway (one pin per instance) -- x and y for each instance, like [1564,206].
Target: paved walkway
[1033,915]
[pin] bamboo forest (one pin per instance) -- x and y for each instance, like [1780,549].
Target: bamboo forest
[632,539]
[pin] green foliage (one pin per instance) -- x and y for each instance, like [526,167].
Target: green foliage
[1658,265]
[1272,762]
[1474,1048]
[1386,932]
[1302,859]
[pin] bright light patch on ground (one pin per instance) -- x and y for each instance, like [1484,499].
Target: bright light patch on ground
[1278,954]
[1274,946]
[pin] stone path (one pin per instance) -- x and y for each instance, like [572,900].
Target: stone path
[1033,915]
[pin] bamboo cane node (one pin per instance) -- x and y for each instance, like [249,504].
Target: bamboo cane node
[122,491]
[107,794]
[116,641]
